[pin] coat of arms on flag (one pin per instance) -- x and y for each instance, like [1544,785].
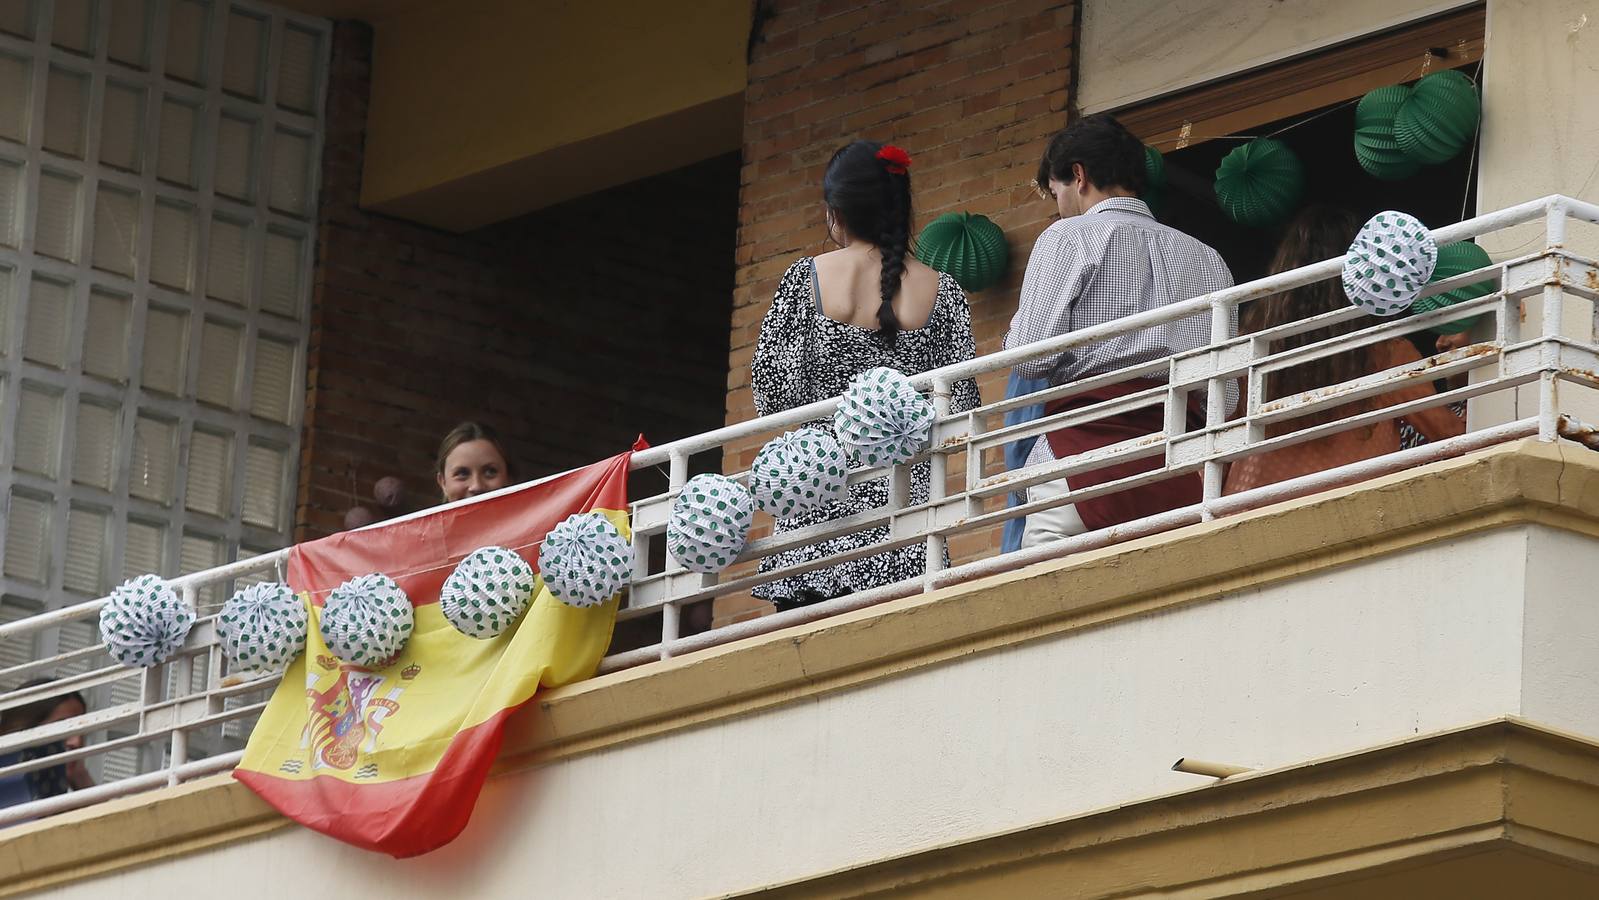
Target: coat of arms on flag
[392,757]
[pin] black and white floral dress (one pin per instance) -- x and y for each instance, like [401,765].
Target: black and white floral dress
[803,356]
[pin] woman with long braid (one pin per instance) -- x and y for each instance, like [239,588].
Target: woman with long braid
[866,304]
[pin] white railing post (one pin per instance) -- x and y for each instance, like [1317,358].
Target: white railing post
[936,486]
[671,615]
[1221,331]
[1255,391]
[1553,310]
[213,673]
[183,682]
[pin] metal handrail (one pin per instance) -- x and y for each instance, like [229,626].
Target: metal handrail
[1509,360]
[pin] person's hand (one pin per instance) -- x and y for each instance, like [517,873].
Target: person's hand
[78,775]
[1447,342]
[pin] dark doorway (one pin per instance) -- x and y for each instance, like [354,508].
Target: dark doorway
[1437,195]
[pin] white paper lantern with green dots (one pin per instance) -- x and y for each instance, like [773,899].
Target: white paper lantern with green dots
[709,523]
[1389,263]
[263,626]
[882,420]
[144,621]
[798,472]
[585,560]
[487,592]
[367,620]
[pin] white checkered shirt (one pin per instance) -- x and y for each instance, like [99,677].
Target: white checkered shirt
[1113,261]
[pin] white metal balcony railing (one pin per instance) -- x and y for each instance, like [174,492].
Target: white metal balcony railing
[194,694]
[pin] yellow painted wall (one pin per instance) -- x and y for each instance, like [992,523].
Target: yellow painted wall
[484,109]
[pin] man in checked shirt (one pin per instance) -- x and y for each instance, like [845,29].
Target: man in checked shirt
[1107,258]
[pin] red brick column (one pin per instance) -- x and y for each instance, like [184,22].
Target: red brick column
[971,88]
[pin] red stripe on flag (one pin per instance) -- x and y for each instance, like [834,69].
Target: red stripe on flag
[402,818]
[420,553]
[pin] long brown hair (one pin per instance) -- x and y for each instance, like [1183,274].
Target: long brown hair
[1319,232]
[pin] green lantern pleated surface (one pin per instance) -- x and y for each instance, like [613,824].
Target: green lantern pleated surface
[1455,259]
[1154,195]
[1154,169]
[1439,118]
[970,248]
[1260,183]
[1376,148]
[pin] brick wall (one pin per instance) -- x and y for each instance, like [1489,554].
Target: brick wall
[570,330]
[970,87]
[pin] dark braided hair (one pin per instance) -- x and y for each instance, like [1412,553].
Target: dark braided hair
[874,204]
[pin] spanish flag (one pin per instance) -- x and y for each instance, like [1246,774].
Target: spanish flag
[393,759]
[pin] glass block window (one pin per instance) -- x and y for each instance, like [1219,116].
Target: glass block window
[158,187]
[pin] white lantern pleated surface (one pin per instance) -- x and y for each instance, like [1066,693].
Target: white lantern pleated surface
[367,620]
[263,626]
[798,472]
[881,420]
[144,621]
[709,524]
[585,560]
[1389,263]
[487,592]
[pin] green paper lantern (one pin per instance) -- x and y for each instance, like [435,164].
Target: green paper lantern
[970,248]
[1376,148]
[1260,183]
[1154,195]
[1439,118]
[1455,259]
[1154,169]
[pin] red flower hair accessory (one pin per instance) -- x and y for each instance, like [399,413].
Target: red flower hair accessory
[895,160]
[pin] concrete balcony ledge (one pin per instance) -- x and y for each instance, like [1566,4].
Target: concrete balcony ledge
[1500,809]
[1417,604]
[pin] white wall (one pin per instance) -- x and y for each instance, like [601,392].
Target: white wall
[1561,636]
[1131,50]
[1381,650]
[1540,130]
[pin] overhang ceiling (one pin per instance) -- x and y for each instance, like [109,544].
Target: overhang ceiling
[482,110]
[365,10]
